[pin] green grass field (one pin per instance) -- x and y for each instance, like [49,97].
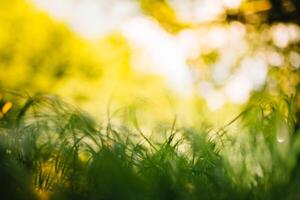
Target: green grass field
[51,150]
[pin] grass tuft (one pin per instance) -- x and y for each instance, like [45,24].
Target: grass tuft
[51,150]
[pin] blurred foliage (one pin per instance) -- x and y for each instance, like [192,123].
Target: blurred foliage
[274,10]
[38,54]
[249,11]
[164,14]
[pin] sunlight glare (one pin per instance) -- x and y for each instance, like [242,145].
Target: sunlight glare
[238,89]
[161,52]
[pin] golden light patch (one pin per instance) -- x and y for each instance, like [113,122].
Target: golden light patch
[43,195]
[6,107]
[255,6]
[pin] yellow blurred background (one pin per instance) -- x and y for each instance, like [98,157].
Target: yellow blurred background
[153,60]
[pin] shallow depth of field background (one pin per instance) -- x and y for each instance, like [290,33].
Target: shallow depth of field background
[205,92]
[196,60]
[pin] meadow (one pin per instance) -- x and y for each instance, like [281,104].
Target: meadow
[52,150]
[149,100]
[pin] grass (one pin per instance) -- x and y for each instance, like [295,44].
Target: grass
[51,150]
